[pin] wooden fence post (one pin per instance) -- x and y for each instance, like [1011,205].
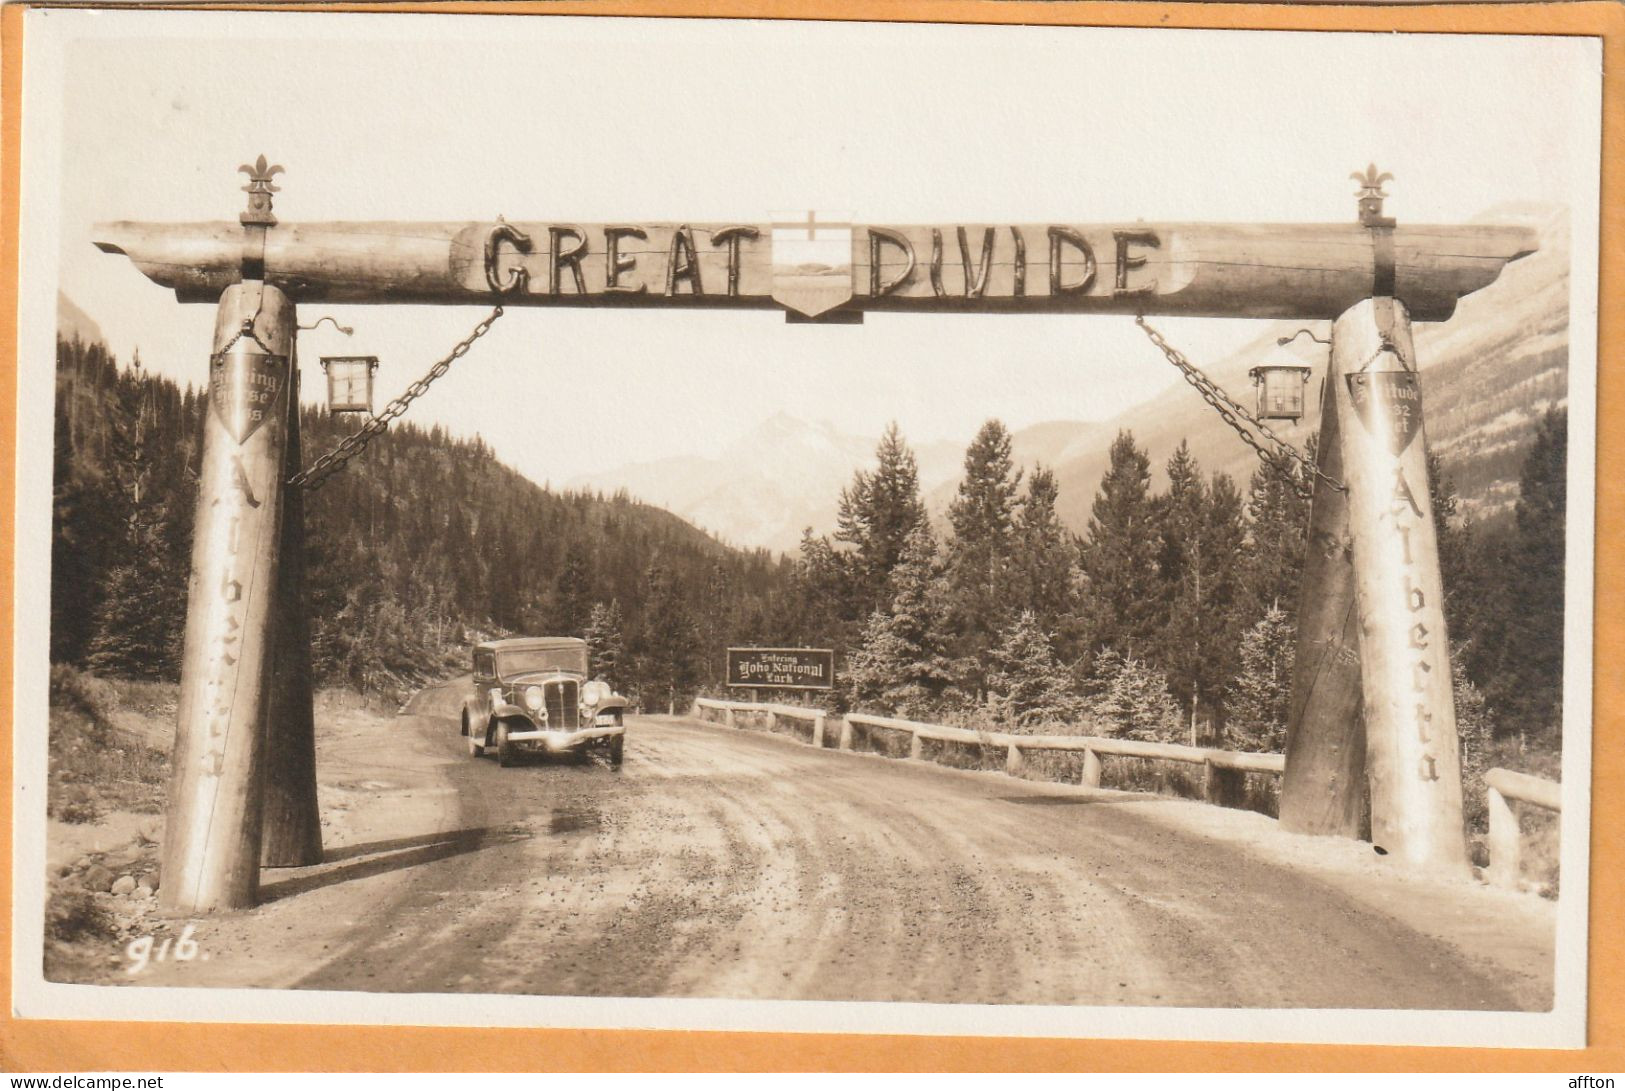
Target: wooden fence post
[292,822]
[1012,761]
[1323,790]
[1505,841]
[211,850]
[914,748]
[1412,759]
[1091,769]
[1223,787]
[818,731]
[845,742]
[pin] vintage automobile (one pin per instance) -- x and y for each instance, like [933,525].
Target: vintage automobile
[532,694]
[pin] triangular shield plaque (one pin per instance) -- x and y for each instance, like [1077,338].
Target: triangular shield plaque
[245,387]
[812,262]
[1389,404]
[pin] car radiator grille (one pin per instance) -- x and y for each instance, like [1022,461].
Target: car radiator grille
[564,705]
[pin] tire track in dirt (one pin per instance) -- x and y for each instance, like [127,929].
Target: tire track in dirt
[730,864]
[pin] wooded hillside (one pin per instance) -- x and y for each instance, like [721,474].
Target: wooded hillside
[422,545]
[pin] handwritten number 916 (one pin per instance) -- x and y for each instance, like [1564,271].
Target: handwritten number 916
[141,953]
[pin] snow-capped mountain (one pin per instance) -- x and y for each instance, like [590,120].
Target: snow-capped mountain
[766,487]
[1487,375]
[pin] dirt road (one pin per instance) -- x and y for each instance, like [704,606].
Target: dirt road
[725,863]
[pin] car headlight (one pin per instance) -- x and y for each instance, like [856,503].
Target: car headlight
[533,697]
[594,694]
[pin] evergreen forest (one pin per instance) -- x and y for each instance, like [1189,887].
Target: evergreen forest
[1170,617]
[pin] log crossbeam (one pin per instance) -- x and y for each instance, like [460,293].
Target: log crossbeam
[1296,271]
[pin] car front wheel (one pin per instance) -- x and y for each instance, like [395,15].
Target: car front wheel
[617,747]
[505,752]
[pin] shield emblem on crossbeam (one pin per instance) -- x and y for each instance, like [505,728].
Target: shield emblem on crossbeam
[1389,405]
[812,261]
[245,387]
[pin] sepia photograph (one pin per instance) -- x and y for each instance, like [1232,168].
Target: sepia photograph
[726,524]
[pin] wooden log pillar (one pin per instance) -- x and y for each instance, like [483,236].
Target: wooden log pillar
[1013,761]
[1413,763]
[1323,790]
[914,745]
[292,821]
[211,851]
[1505,841]
[1091,769]
[845,741]
[818,730]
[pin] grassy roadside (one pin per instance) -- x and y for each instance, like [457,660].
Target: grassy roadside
[109,757]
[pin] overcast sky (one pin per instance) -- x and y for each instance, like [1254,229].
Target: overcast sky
[462,118]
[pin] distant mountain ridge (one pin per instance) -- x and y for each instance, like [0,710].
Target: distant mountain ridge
[766,487]
[1487,376]
[74,324]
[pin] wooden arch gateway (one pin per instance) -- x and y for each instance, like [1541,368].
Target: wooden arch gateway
[1372,705]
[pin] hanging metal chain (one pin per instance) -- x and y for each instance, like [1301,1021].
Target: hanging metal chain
[1238,418]
[316,474]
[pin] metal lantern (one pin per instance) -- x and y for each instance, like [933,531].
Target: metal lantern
[349,383]
[1280,390]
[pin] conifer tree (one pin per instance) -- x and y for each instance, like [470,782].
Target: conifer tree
[606,652]
[667,670]
[76,533]
[981,571]
[1526,686]
[1221,621]
[823,594]
[572,592]
[876,514]
[1202,536]
[903,662]
[1120,555]
[1475,728]
[1277,530]
[1027,686]
[1046,559]
[1130,699]
[1464,581]
[138,619]
[1261,696]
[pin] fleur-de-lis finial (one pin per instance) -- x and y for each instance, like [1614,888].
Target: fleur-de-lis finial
[1370,182]
[1370,196]
[259,190]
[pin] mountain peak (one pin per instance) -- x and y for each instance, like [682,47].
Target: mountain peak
[71,322]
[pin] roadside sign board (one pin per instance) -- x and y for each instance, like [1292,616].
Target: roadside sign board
[781,668]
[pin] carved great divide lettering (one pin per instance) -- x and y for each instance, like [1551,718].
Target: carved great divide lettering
[1235,270]
[874,265]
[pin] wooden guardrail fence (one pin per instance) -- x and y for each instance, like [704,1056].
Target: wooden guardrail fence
[817,716]
[1224,770]
[1503,788]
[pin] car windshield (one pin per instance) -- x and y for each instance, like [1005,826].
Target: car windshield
[525,660]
